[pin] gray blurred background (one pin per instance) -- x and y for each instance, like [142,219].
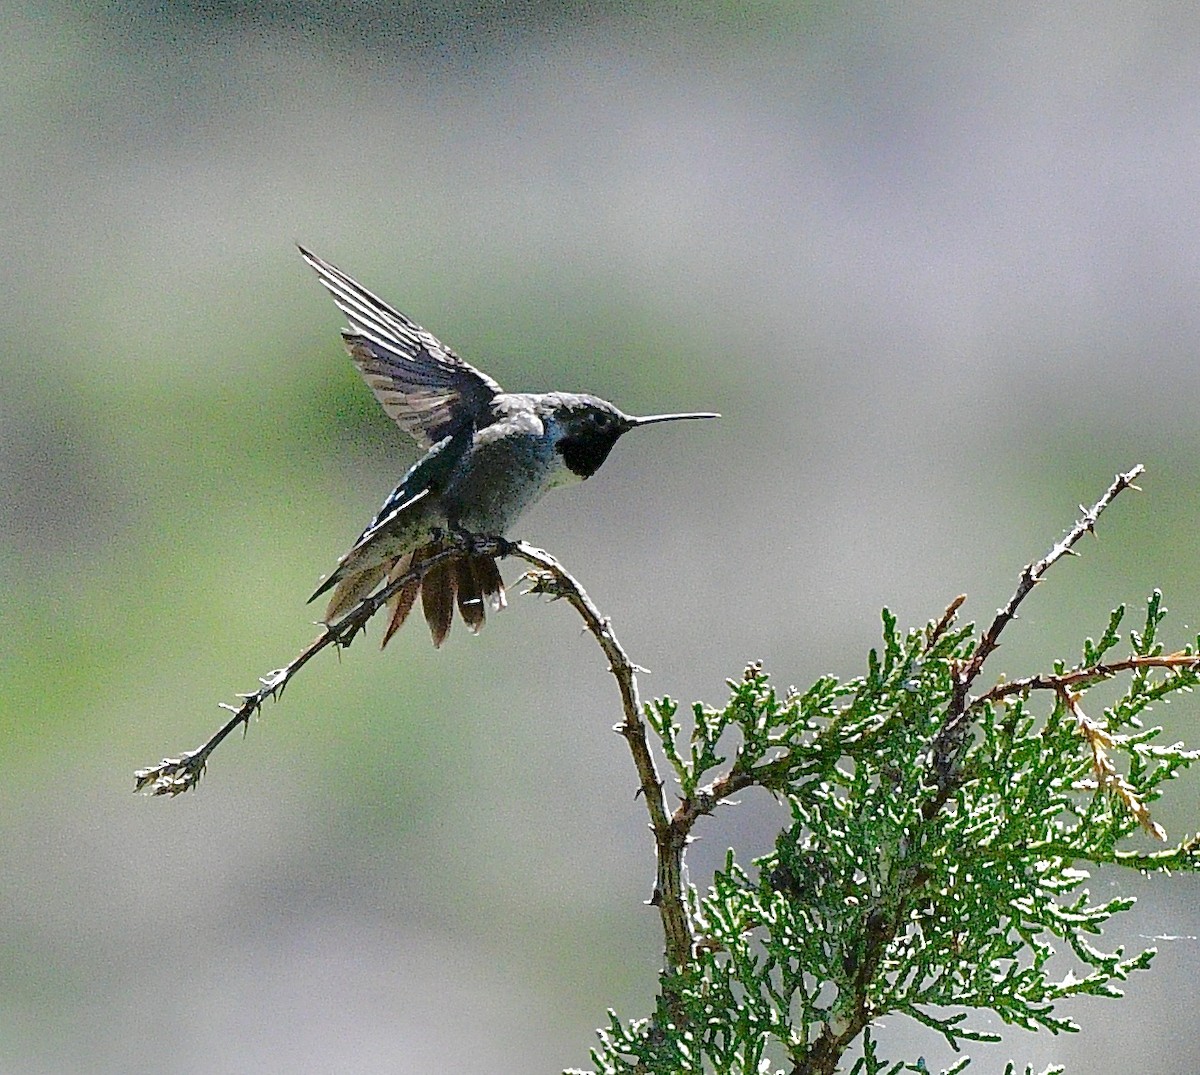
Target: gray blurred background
[938,267]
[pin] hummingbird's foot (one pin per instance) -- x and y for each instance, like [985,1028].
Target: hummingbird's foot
[473,542]
[504,547]
[454,535]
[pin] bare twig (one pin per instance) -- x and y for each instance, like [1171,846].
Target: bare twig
[1031,575]
[551,577]
[172,776]
[934,635]
[1086,675]
[946,745]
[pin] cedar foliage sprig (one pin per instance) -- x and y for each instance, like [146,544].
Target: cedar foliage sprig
[937,855]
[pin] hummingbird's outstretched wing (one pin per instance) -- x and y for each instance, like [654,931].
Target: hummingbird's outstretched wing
[425,387]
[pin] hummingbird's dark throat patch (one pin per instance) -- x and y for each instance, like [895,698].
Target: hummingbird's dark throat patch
[585,453]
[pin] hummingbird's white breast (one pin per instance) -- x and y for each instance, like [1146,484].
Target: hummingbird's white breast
[510,465]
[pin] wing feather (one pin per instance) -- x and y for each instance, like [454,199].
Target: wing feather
[423,386]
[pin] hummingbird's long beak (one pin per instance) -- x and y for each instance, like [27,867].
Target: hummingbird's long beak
[650,419]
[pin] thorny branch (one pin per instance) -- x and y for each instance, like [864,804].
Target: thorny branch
[172,776]
[669,840]
[1085,676]
[944,750]
[1031,575]
[947,744]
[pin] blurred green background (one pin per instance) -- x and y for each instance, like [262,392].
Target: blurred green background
[939,270]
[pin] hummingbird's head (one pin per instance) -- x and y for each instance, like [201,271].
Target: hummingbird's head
[588,427]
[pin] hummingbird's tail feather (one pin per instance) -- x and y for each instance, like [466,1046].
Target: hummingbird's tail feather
[401,602]
[491,584]
[437,600]
[470,593]
[351,589]
[470,583]
[479,585]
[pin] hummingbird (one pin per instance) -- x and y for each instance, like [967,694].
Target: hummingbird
[489,455]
